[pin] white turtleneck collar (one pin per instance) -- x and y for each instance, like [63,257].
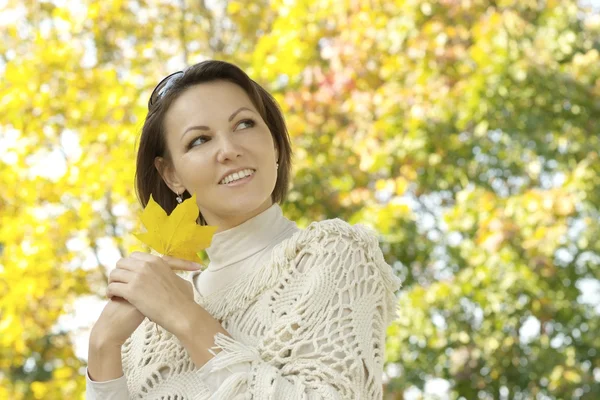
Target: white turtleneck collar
[243,241]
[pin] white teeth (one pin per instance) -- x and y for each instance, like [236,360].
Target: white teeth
[236,175]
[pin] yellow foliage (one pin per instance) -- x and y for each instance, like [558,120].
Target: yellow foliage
[39,389]
[382,95]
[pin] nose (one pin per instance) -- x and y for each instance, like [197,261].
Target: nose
[228,148]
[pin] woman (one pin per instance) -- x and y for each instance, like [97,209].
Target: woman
[279,313]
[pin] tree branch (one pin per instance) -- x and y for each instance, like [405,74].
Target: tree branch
[182,32]
[113,224]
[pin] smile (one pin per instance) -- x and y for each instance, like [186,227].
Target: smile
[238,177]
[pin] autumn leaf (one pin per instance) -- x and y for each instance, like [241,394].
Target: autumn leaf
[175,235]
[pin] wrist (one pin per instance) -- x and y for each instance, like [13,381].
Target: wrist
[188,320]
[100,341]
[104,362]
[197,331]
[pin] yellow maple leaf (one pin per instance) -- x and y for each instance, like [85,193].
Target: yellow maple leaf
[175,235]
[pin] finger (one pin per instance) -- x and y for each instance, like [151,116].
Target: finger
[117,289]
[129,264]
[120,275]
[139,255]
[180,264]
[118,299]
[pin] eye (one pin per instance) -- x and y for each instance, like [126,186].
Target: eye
[198,140]
[249,122]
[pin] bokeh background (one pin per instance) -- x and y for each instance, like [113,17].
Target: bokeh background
[465,131]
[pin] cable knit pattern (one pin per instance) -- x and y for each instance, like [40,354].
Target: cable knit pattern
[309,324]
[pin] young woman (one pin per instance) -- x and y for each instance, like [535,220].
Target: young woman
[279,312]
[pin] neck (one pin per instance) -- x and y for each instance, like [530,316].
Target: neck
[226,222]
[249,238]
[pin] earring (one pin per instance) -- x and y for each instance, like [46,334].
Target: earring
[179,198]
[276,165]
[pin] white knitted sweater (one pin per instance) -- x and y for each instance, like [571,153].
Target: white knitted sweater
[309,324]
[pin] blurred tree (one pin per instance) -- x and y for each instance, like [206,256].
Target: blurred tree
[465,132]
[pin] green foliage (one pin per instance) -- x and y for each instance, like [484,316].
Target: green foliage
[466,132]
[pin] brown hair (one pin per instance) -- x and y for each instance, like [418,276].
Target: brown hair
[153,137]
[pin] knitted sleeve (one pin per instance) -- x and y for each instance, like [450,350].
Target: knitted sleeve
[115,389]
[329,343]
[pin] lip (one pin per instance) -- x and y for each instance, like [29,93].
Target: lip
[231,171]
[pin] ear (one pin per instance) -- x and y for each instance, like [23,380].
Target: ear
[276,154]
[168,174]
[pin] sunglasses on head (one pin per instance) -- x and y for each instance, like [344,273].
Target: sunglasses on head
[163,87]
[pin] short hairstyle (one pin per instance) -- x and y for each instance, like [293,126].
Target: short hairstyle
[153,142]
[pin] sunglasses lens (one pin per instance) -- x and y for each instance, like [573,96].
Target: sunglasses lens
[163,87]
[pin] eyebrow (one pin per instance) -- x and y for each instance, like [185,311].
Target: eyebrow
[206,128]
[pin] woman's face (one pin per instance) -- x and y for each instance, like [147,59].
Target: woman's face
[213,129]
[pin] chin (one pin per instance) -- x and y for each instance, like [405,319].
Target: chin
[244,204]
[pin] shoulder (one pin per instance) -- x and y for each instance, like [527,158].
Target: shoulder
[335,234]
[335,243]
[338,251]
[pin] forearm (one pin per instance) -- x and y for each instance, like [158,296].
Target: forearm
[197,334]
[104,362]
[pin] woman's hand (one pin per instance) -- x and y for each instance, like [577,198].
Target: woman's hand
[150,284]
[119,319]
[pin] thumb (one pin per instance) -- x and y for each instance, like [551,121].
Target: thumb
[178,264]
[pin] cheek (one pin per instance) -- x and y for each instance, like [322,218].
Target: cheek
[196,170]
[267,144]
